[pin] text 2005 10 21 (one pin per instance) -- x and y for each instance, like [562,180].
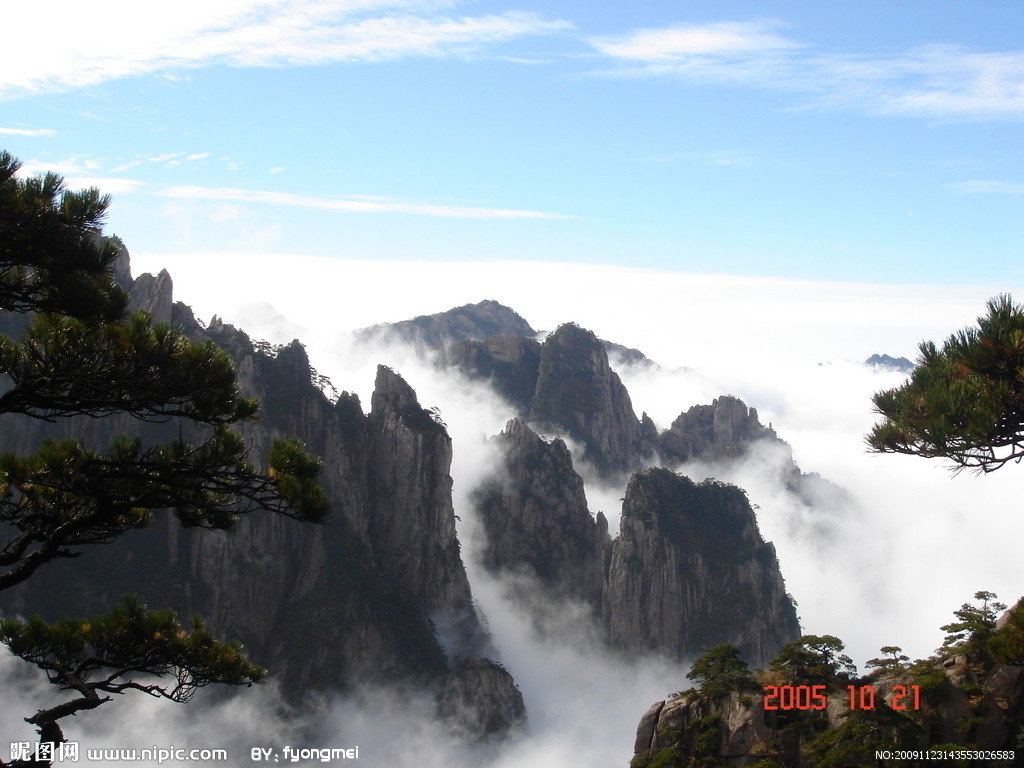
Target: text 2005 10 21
[900,697]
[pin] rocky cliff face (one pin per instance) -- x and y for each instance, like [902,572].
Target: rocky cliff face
[722,430]
[535,517]
[511,363]
[480,700]
[578,393]
[689,570]
[412,522]
[729,727]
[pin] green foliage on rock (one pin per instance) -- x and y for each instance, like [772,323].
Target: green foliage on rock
[663,758]
[813,660]
[860,738]
[974,627]
[892,660]
[721,671]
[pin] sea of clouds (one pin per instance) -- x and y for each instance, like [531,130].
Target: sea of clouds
[883,563]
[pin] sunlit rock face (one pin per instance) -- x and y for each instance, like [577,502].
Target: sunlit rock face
[411,520]
[689,570]
[724,429]
[738,726]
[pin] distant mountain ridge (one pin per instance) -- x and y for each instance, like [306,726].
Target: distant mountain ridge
[470,323]
[895,363]
[474,322]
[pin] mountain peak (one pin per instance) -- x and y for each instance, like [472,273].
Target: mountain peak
[474,322]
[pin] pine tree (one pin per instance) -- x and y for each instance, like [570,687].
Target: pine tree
[974,627]
[81,356]
[721,671]
[813,660]
[965,401]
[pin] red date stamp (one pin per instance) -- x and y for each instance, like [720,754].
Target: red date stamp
[901,697]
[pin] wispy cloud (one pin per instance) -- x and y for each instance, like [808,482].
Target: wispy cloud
[167,159]
[932,81]
[729,52]
[981,187]
[109,39]
[683,42]
[164,157]
[353,203]
[108,185]
[936,81]
[73,165]
[28,131]
[81,171]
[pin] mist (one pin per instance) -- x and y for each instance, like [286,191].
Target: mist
[882,560]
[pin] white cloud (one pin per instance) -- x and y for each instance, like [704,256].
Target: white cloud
[165,156]
[126,166]
[108,185]
[936,81]
[82,172]
[86,171]
[110,39]
[932,81]
[353,203]
[72,165]
[28,131]
[684,41]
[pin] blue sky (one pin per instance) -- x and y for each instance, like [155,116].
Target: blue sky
[871,142]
